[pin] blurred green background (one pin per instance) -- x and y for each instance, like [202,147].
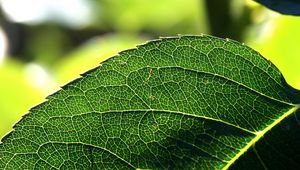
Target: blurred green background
[46,43]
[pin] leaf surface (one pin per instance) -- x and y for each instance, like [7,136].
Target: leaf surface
[187,102]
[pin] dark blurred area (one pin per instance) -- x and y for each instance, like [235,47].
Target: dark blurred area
[46,43]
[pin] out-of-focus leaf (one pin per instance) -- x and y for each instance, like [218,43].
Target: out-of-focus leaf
[290,7]
[164,17]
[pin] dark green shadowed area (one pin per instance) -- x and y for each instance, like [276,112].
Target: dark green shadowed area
[184,102]
[279,149]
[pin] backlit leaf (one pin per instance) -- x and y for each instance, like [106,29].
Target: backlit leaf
[187,102]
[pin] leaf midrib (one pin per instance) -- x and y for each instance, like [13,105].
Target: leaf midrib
[149,110]
[260,134]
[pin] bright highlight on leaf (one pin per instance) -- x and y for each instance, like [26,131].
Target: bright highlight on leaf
[187,102]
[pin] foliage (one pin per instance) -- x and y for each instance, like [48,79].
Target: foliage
[185,102]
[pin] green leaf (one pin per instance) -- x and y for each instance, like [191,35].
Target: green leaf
[188,102]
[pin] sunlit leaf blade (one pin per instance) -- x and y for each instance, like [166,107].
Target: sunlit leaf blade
[188,102]
[290,7]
